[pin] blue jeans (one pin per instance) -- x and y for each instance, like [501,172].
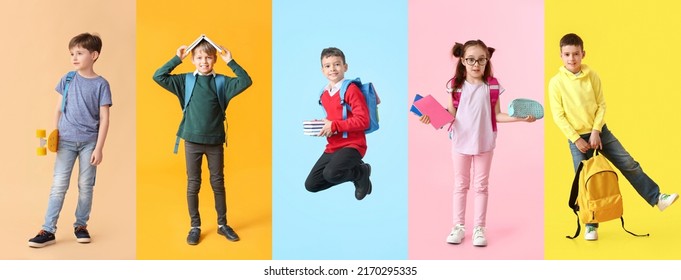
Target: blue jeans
[67,153]
[620,158]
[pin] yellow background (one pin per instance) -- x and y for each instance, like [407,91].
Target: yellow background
[633,46]
[35,53]
[243,27]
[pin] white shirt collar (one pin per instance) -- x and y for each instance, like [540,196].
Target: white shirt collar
[196,72]
[334,88]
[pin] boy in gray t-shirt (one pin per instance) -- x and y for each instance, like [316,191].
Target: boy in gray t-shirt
[82,118]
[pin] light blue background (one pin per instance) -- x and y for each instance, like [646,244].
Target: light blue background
[332,224]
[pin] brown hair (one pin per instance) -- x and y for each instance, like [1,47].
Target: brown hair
[571,39]
[90,42]
[205,47]
[332,52]
[459,50]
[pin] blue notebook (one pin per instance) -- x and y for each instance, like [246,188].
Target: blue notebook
[413,108]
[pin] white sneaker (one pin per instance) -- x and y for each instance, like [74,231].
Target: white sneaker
[456,236]
[665,200]
[479,237]
[591,233]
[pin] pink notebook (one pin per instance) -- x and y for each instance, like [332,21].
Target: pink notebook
[439,116]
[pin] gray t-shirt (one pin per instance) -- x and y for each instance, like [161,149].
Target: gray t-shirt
[80,120]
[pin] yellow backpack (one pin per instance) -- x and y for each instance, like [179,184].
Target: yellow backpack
[595,196]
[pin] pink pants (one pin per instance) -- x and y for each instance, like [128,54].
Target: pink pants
[464,166]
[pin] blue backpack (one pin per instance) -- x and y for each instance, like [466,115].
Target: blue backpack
[370,96]
[189,82]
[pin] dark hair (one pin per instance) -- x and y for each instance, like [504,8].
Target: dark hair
[571,39]
[90,42]
[206,47]
[332,52]
[459,50]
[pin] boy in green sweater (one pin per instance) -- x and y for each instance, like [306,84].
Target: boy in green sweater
[202,126]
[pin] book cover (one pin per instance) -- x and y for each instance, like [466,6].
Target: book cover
[439,116]
[201,38]
[413,107]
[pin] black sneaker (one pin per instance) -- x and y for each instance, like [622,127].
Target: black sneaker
[363,184]
[43,239]
[82,235]
[194,235]
[228,232]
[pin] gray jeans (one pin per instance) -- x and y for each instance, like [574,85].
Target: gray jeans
[194,158]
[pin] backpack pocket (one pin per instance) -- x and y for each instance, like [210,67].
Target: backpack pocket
[604,209]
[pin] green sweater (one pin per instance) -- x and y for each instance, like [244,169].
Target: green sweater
[203,119]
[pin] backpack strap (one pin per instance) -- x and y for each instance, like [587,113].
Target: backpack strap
[219,86]
[69,77]
[572,201]
[637,235]
[456,94]
[343,89]
[189,83]
[493,98]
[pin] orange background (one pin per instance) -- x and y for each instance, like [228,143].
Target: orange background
[243,27]
[35,56]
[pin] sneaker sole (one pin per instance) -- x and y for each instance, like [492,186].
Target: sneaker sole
[83,240]
[670,204]
[233,240]
[480,244]
[40,245]
[454,241]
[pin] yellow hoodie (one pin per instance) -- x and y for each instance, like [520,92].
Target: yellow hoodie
[577,102]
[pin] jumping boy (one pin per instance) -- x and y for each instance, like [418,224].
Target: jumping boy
[82,119]
[342,159]
[578,108]
[202,126]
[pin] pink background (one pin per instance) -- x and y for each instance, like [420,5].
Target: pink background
[515,209]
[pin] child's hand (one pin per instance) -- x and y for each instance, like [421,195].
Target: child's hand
[226,55]
[595,139]
[181,52]
[424,119]
[582,145]
[326,129]
[96,157]
[530,118]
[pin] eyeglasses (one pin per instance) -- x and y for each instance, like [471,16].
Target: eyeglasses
[481,61]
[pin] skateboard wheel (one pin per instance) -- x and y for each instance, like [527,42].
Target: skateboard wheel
[41,151]
[40,133]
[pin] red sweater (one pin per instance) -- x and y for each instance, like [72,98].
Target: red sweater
[355,124]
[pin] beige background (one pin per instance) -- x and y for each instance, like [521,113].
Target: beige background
[34,56]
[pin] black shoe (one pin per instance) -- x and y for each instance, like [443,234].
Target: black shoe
[194,235]
[363,184]
[228,232]
[43,239]
[82,235]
